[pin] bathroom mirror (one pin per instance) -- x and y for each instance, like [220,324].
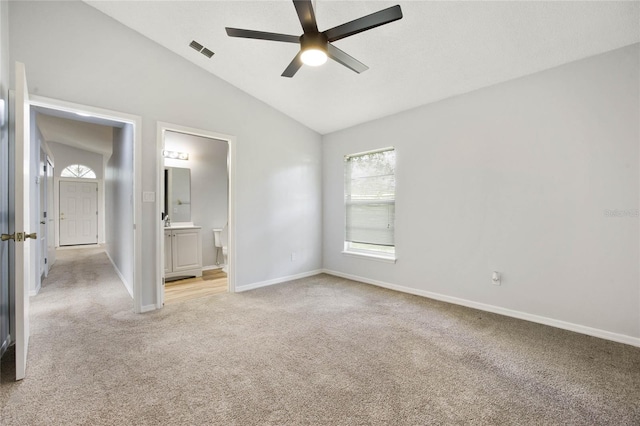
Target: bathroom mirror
[177,194]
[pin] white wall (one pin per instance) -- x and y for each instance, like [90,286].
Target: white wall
[75,53]
[516,178]
[66,155]
[209,183]
[34,226]
[119,204]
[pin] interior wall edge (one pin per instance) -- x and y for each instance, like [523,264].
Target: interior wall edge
[126,284]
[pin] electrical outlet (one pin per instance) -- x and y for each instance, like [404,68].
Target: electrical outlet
[496,278]
[293,256]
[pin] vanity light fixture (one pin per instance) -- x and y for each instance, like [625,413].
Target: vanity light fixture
[175,155]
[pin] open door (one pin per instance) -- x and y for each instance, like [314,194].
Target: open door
[19,212]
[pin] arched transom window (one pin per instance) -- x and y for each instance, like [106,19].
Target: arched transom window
[78,171]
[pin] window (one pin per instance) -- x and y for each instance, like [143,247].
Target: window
[78,171]
[370,203]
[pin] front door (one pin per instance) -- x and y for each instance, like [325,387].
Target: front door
[78,213]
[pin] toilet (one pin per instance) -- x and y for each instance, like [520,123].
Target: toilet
[220,239]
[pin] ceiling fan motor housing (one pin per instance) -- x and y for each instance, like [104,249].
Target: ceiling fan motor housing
[313,41]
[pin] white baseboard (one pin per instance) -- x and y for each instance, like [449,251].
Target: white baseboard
[122,278]
[148,308]
[595,332]
[36,291]
[248,287]
[211,267]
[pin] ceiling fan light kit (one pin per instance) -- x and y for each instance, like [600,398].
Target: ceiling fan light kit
[316,46]
[314,49]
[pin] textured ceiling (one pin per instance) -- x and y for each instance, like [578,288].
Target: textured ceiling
[438,50]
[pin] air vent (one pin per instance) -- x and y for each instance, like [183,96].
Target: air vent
[206,52]
[195,45]
[200,48]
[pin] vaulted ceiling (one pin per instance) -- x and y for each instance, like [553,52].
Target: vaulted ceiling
[438,49]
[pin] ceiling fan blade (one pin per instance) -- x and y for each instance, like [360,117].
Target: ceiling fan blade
[261,35]
[345,59]
[365,23]
[293,67]
[306,15]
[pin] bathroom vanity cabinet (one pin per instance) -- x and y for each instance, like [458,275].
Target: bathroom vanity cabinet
[183,252]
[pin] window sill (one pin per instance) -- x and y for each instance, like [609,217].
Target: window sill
[370,256]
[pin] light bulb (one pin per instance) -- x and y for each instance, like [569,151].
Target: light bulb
[313,57]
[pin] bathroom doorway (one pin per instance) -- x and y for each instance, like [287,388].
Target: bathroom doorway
[195,189]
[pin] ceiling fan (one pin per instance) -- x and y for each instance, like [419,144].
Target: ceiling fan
[315,46]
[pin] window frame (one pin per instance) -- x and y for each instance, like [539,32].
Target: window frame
[75,176]
[383,254]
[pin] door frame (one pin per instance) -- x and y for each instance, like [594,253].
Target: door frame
[136,122]
[43,238]
[51,210]
[162,127]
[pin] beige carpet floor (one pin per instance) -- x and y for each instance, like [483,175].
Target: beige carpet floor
[320,350]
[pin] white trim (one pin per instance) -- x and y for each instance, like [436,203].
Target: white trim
[595,332]
[147,308]
[212,267]
[79,247]
[136,122]
[267,283]
[122,278]
[373,151]
[37,290]
[370,256]
[231,218]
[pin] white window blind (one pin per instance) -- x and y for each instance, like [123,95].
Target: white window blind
[370,193]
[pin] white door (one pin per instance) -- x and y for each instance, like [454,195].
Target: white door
[78,213]
[21,238]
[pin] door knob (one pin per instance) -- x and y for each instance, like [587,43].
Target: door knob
[42,222]
[19,236]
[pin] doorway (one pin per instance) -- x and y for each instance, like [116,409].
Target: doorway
[196,191]
[83,202]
